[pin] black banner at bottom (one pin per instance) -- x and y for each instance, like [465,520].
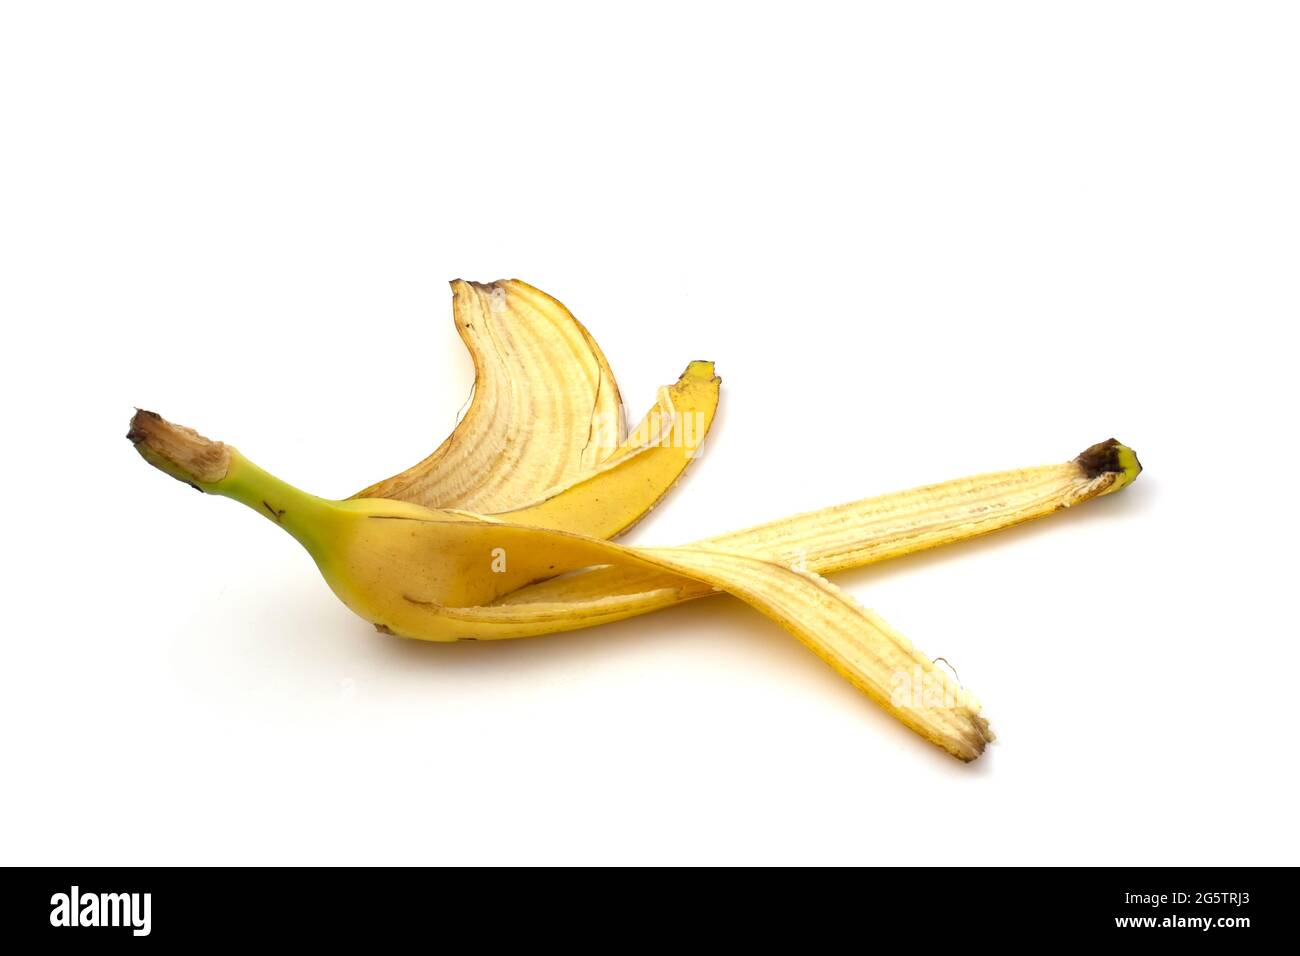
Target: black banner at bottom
[1228,907]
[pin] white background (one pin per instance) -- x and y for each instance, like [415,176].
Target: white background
[920,241]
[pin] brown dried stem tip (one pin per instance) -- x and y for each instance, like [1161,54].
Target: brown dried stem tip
[181,452]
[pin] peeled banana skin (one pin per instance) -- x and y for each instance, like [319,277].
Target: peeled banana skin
[504,530]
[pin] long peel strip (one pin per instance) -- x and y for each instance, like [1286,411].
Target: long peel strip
[845,536]
[856,642]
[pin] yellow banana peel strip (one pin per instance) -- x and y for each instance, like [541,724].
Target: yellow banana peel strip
[545,420]
[544,412]
[861,532]
[627,486]
[501,532]
[857,643]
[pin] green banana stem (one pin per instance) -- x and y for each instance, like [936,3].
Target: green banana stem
[303,515]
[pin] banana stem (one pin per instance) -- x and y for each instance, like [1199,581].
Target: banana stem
[297,512]
[218,469]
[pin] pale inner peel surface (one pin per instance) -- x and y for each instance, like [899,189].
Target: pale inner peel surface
[626,487]
[545,409]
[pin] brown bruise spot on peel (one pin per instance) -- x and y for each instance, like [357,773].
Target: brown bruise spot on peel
[384,629]
[181,452]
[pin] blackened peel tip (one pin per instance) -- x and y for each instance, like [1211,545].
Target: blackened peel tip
[1108,457]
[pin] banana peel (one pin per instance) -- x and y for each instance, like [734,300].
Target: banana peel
[506,530]
[861,533]
[545,409]
[627,485]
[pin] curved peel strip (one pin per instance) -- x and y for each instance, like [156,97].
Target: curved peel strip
[545,409]
[857,643]
[635,478]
